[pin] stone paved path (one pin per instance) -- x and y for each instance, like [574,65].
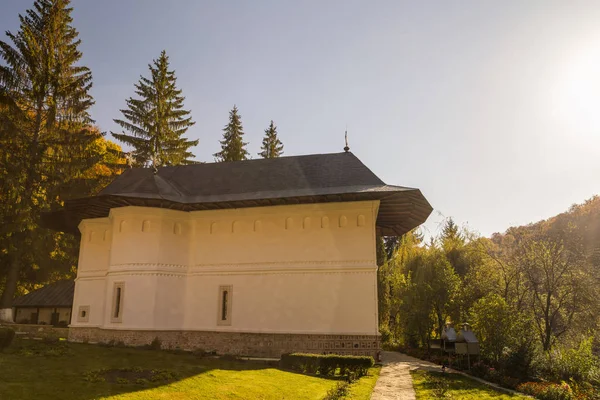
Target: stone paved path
[395,382]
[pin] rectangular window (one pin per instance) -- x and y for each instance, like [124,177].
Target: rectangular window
[117,303]
[225,302]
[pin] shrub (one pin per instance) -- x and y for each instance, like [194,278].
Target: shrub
[386,336]
[340,391]
[547,390]
[6,337]
[518,362]
[480,369]
[327,364]
[156,344]
[578,363]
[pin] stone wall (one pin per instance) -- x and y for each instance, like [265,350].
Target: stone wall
[39,331]
[236,343]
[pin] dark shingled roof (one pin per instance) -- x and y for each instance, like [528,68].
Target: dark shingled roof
[316,178]
[57,294]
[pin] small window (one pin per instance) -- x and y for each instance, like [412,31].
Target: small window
[117,304]
[84,314]
[225,301]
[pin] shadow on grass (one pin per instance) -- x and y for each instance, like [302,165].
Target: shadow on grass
[34,370]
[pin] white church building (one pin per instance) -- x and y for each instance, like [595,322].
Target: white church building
[257,257]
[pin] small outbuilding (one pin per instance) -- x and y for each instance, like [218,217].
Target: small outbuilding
[49,305]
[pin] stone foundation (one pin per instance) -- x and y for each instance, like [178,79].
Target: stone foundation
[236,343]
[39,331]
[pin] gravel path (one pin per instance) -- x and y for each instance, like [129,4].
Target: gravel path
[395,382]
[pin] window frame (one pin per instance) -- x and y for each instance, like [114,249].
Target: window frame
[116,315]
[86,310]
[223,307]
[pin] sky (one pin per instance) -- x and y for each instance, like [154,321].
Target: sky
[491,108]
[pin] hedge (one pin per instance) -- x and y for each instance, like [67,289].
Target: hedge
[6,337]
[327,364]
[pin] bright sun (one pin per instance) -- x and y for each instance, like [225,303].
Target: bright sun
[579,94]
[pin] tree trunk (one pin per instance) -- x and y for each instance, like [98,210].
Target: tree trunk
[9,290]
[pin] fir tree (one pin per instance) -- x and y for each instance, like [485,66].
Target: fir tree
[157,121]
[44,134]
[233,148]
[271,145]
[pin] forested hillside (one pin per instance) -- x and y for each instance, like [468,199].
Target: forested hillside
[531,293]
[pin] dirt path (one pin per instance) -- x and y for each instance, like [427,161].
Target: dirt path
[395,382]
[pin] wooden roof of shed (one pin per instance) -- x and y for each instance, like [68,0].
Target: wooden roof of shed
[317,178]
[57,294]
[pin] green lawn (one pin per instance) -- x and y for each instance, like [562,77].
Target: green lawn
[362,389]
[35,370]
[432,385]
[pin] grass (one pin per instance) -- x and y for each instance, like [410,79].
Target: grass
[362,389]
[433,385]
[68,371]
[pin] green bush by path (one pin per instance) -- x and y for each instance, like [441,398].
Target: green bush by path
[327,364]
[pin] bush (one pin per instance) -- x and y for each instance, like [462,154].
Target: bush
[579,364]
[480,370]
[6,337]
[518,362]
[327,364]
[547,390]
[386,336]
[340,391]
[156,344]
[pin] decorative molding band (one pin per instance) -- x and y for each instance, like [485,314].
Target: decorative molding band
[153,273]
[282,268]
[282,272]
[221,330]
[156,265]
[341,263]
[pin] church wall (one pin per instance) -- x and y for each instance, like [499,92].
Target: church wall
[294,269]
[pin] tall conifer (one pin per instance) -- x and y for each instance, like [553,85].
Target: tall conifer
[271,145]
[44,134]
[157,121]
[233,147]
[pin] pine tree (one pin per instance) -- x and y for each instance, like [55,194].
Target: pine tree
[233,148]
[157,121]
[44,135]
[271,145]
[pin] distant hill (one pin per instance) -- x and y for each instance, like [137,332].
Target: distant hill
[579,226]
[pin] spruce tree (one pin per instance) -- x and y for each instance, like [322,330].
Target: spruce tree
[157,121]
[271,145]
[44,134]
[233,148]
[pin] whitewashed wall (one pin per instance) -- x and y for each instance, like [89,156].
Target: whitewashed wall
[294,269]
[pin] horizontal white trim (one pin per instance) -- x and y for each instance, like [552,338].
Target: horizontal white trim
[221,330]
[180,270]
[366,205]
